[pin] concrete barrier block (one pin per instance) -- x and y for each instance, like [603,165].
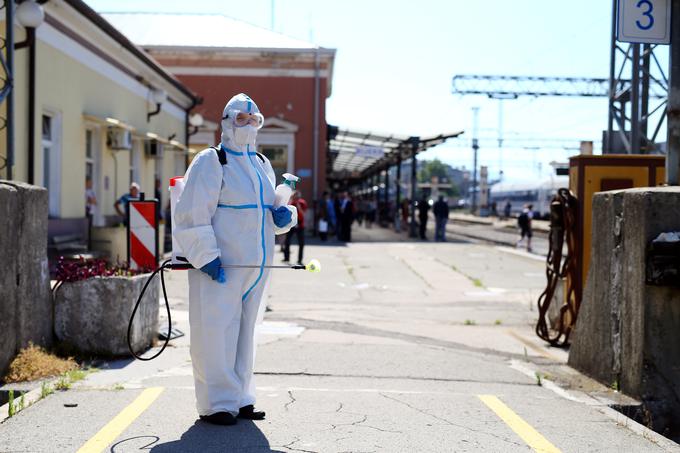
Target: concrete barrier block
[9,201]
[596,346]
[25,302]
[92,315]
[628,332]
[34,302]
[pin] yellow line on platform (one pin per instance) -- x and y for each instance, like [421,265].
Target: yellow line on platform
[524,430]
[115,427]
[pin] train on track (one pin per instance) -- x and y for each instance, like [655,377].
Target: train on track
[538,193]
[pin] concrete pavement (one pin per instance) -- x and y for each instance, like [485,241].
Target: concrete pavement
[394,346]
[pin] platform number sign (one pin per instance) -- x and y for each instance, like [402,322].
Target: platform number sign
[644,21]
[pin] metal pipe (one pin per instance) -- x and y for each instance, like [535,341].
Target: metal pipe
[635,103]
[31,103]
[673,144]
[612,85]
[415,142]
[386,198]
[9,61]
[397,217]
[645,143]
[475,148]
[315,147]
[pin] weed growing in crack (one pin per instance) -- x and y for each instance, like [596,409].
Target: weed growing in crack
[45,390]
[11,410]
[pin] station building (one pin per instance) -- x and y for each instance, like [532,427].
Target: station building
[91,104]
[217,57]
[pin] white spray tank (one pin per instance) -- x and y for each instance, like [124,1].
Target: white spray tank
[285,190]
[176,188]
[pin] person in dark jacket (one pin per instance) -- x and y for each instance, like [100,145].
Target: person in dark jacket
[345,212]
[441,216]
[423,209]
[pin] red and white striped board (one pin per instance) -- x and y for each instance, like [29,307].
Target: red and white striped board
[143,235]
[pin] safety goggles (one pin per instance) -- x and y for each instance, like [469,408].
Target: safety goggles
[241,119]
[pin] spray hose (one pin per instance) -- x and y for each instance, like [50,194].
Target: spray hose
[167,264]
[312,266]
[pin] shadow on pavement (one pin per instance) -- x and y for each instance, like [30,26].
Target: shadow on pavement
[203,437]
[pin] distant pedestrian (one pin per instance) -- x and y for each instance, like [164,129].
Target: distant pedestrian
[330,212]
[125,201]
[345,217]
[371,211]
[405,211]
[423,209]
[323,219]
[158,195]
[524,224]
[297,231]
[90,199]
[441,217]
[507,210]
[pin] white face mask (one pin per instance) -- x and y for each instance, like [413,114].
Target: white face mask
[245,135]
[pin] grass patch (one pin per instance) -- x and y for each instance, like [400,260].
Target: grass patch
[475,281]
[470,322]
[34,363]
[539,379]
[63,383]
[11,410]
[498,322]
[45,390]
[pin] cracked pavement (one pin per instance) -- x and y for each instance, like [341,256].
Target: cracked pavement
[387,349]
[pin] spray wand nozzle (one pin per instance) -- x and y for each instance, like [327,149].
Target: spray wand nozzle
[290,180]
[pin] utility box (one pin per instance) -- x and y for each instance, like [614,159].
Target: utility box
[591,174]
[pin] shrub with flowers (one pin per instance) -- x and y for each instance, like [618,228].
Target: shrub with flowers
[69,270]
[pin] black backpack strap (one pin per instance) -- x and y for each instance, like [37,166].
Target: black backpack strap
[221,154]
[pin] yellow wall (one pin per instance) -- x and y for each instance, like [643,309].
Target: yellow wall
[71,89]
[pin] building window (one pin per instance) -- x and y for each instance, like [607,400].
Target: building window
[47,149]
[278,156]
[51,177]
[89,155]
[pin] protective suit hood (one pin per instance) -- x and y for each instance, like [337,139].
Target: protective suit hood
[233,137]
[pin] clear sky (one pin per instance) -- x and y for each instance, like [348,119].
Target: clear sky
[396,58]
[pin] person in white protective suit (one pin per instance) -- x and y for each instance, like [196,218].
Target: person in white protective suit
[225,217]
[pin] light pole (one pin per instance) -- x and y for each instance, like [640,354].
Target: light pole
[30,14]
[475,148]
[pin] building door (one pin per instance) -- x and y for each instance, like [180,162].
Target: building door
[51,154]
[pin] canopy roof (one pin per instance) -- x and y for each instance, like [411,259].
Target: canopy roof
[354,154]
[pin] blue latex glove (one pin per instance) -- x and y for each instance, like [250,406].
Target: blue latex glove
[215,271]
[282,216]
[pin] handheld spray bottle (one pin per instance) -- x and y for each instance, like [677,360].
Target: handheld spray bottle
[285,189]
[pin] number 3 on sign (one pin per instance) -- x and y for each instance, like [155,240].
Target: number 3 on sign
[647,13]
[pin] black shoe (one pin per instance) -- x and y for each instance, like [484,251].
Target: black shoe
[220,418]
[248,412]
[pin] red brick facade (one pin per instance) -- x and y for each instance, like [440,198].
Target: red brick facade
[288,98]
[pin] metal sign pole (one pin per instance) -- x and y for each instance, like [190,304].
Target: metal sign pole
[673,148]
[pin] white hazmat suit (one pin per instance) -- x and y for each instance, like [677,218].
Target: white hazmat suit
[224,211]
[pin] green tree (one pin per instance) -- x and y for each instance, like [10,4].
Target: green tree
[435,167]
